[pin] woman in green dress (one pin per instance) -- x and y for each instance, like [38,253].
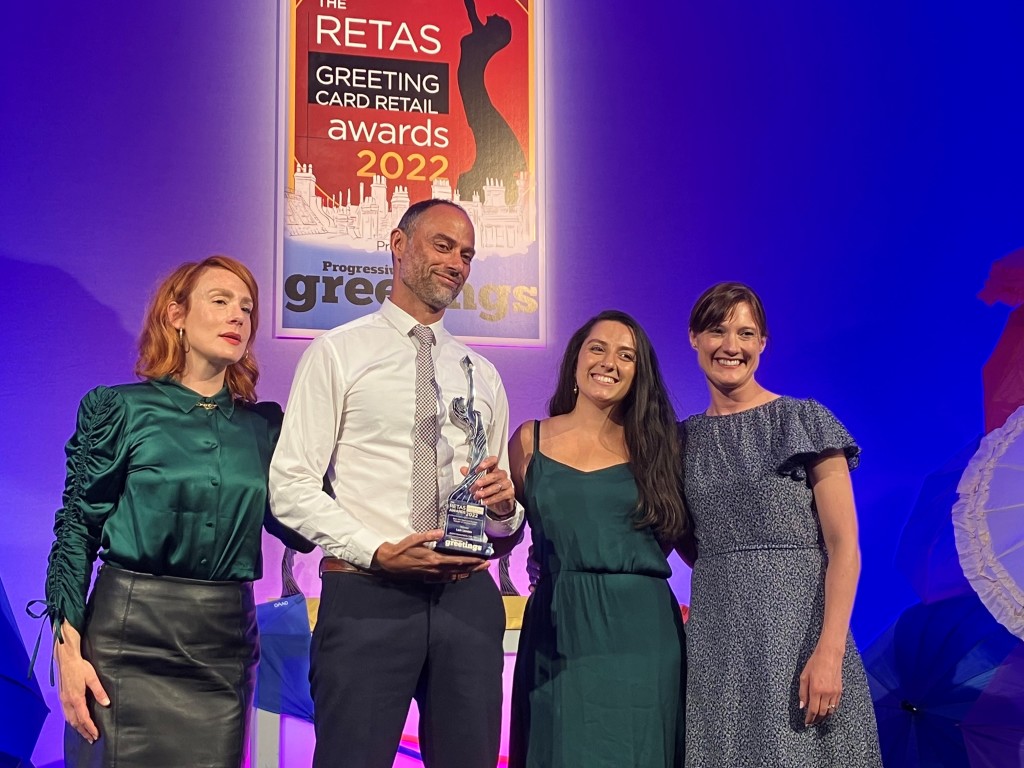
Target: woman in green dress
[600,673]
[167,483]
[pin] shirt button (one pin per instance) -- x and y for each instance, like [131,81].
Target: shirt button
[203,561]
[209,525]
[214,481]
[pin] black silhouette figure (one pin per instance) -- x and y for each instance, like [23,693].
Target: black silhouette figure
[498,152]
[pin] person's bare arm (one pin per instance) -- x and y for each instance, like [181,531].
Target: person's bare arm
[821,682]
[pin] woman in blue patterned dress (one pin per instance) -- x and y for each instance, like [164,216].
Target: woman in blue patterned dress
[775,677]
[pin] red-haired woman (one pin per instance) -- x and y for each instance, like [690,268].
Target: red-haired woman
[167,483]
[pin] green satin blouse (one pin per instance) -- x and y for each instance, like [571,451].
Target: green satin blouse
[159,484]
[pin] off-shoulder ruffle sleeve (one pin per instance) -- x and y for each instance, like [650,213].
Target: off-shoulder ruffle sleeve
[97,455]
[808,431]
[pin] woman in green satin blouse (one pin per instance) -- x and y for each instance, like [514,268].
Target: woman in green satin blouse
[167,483]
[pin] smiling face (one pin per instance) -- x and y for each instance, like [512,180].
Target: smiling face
[217,323]
[728,352]
[432,261]
[606,363]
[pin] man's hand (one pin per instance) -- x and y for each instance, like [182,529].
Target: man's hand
[412,557]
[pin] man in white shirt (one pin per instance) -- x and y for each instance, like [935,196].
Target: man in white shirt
[399,620]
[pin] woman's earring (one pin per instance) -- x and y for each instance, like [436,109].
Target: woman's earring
[575,389]
[182,342]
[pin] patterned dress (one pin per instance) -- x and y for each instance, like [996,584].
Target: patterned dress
[758,593]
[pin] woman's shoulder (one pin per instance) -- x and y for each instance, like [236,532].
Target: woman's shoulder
[265,410]
[268,409]
[804,407]
[807,430]
[123,393]
[104,412]
[523,435]
[785,412]
[266,417]
[130,396]
[542,426]
[112,397]
[525,439]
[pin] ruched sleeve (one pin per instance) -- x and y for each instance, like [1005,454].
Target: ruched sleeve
[808,433]
[274,416]
[97,456]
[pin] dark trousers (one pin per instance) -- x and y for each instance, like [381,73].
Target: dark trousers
[380,643]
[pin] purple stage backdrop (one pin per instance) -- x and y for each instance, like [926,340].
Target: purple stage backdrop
[859,163]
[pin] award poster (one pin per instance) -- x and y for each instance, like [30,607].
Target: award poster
[390,103]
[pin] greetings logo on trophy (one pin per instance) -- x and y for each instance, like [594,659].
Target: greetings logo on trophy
[464,517]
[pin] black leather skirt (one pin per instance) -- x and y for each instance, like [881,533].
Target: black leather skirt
[178,659]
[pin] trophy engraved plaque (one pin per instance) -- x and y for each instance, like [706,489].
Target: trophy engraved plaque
[463,518]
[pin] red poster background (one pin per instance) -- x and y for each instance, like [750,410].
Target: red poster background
[507,79]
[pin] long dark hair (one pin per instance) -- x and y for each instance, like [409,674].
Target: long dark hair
[650,425]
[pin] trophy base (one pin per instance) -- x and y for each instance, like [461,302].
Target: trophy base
[452,545]
[464,532]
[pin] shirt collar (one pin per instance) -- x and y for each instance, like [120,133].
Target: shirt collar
[405,322]
[185,399]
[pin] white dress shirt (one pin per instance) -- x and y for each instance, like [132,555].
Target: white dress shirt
[350,417]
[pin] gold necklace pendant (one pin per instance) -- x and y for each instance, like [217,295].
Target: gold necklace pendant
[206,405]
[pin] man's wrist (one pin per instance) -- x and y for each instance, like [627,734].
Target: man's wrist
[375,558]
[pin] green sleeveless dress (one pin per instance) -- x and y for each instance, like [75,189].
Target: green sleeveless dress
[601,670]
